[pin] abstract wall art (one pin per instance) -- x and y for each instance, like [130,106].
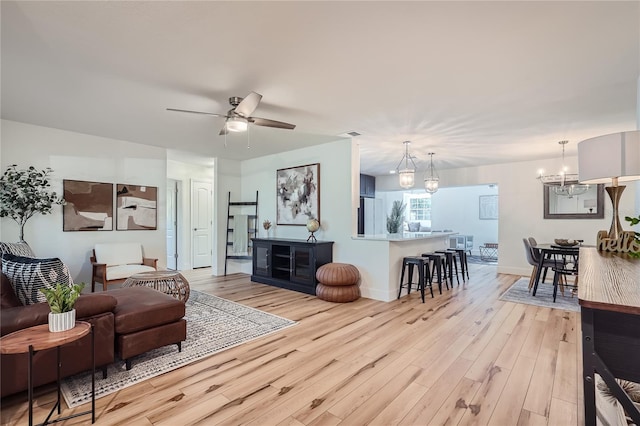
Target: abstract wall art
[298,194]
[89,206]
[136,207]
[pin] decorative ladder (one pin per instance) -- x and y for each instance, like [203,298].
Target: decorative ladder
[252,226]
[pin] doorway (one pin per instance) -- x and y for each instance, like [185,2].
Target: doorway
[201,218]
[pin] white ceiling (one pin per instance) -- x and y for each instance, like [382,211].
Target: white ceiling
[475,82]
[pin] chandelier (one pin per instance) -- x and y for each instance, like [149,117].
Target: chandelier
[431,177]
[563,183]
[406,176]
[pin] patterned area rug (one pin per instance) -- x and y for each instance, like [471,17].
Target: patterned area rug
[519,293]
[213,325]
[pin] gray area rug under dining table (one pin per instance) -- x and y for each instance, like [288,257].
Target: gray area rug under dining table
[519,293]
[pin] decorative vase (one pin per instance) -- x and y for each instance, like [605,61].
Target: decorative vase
[63,321]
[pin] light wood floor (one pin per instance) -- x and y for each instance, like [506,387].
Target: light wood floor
[462,358]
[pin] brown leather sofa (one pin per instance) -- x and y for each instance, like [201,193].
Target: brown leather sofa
[127,322]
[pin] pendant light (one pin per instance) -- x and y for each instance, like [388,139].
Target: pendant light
[563,183]
[406,175]
[431,177]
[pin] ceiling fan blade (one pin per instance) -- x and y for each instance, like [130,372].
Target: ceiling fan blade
[271,123]
[248,104]
[224,130]
[196,112]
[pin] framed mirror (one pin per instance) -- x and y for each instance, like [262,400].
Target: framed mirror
[573,201]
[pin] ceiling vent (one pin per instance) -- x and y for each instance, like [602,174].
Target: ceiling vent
[351,134]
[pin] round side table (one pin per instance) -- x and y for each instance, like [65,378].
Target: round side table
[33,339]
[172,283]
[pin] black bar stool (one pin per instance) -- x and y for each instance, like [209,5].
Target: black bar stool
[451,263]
[438,268]
[423,269]
[464,266]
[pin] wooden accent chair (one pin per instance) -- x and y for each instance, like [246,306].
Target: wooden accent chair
[113,263]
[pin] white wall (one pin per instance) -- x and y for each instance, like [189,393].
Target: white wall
[457,208]
[82,157]
[335,190]
[227,179]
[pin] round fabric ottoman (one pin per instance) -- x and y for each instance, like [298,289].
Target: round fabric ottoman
[338,282]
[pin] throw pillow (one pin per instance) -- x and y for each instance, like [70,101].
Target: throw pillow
[18,249]
[414,226]
[28,275]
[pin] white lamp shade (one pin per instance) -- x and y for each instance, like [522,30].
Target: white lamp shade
[610,156]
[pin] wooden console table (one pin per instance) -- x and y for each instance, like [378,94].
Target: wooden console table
[609,296]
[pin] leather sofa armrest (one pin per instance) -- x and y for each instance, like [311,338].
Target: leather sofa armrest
[14,319]
[91,304]
[150,262]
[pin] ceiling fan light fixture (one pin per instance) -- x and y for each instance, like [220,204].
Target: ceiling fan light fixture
[237,124]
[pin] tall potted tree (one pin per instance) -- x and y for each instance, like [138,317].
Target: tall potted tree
[25,192]
[395,218]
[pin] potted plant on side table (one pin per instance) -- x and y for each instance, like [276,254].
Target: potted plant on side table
[61,300]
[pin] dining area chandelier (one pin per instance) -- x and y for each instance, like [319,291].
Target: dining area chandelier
[563,183]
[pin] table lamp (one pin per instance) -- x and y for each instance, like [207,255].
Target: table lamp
[610,158]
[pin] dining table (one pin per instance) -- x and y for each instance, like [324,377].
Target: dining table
[547,250]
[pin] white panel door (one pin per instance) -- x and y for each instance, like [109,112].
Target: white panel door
[172,224]
[201,209]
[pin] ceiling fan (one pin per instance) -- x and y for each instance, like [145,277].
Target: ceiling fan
[239,117]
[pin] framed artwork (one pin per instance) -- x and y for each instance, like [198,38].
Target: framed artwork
[89,206]
[298,194]
[136,207]
[488,207]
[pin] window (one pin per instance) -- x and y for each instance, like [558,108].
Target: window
[419,207]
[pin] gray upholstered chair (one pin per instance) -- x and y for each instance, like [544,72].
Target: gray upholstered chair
[533,257]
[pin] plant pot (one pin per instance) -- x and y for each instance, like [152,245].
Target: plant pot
[62,322]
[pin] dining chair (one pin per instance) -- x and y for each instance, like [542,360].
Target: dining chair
[533,257]
[529,255]
[565,264]
[536,252]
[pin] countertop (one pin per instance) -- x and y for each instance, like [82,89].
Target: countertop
[406,236]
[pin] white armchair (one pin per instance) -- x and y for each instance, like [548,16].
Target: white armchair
[113,263]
